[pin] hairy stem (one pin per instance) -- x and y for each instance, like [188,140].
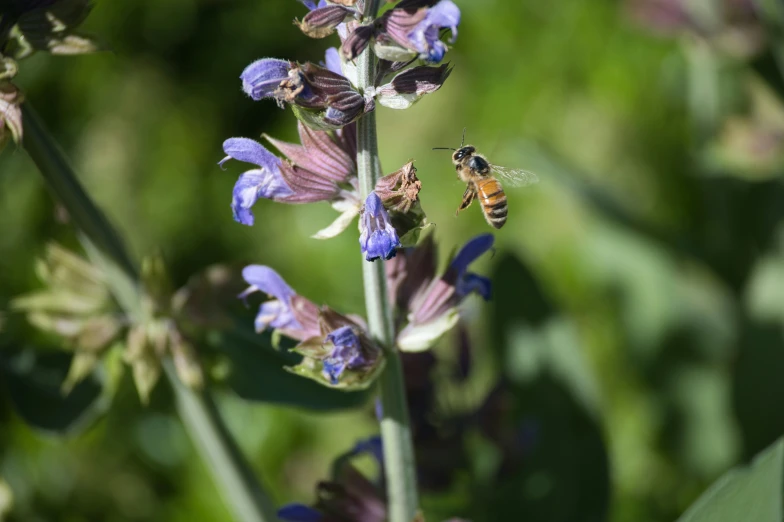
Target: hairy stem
[395,429]
[212,439]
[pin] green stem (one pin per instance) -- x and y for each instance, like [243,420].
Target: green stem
[395,426]
[212,439]
[219,451]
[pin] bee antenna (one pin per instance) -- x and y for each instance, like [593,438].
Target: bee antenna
[443,148]
[462,141]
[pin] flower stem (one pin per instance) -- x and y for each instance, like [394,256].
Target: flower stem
[212,439]
[395,426]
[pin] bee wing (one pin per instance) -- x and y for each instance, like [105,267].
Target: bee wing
[514,177]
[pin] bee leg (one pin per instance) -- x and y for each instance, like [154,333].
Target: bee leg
[468,197]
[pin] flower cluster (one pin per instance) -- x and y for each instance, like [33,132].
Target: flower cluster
[410,30]
[336,349]
[27,26]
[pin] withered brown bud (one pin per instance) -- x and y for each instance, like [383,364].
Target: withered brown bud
[400,190]
[323,21]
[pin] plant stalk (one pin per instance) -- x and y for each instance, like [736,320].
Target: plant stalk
[395,425]
[231,472]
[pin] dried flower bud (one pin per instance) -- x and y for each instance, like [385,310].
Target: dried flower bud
[322,21]
[399,193]
[399,190]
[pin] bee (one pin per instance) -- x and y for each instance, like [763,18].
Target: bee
[481,179]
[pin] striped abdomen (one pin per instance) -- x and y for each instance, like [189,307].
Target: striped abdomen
[493,200]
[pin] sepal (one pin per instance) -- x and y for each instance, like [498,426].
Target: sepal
[321,22]
[409,86]
[421,337]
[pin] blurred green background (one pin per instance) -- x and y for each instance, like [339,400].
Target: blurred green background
[636,329]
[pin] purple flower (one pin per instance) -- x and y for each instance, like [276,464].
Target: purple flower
[315,171]
[294,316]
[264,182]
[332,60]
[309,86]
[377,238]
[346,353]
[432,303]
[416,26]
[425,37]
[262,78]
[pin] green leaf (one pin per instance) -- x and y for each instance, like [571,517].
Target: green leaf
[258,373]
[752,493]
[557,469]
[34,381]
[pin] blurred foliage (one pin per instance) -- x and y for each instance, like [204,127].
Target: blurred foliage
[633,351]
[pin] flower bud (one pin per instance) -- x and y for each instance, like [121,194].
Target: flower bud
[322,21]
[399,193]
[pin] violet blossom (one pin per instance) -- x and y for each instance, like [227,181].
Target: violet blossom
[335,348]
[321,98]
[378,239]
[412,29]
[431,304]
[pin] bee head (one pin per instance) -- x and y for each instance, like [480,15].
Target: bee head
[462,153]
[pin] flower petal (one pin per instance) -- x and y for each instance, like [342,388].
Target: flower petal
[332,60]
[268,281]
[377,238]
[470,252]
[349,211]
[251,186]
[249,151]
[262,77]
[275,314]
[421,337]
[474,283]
